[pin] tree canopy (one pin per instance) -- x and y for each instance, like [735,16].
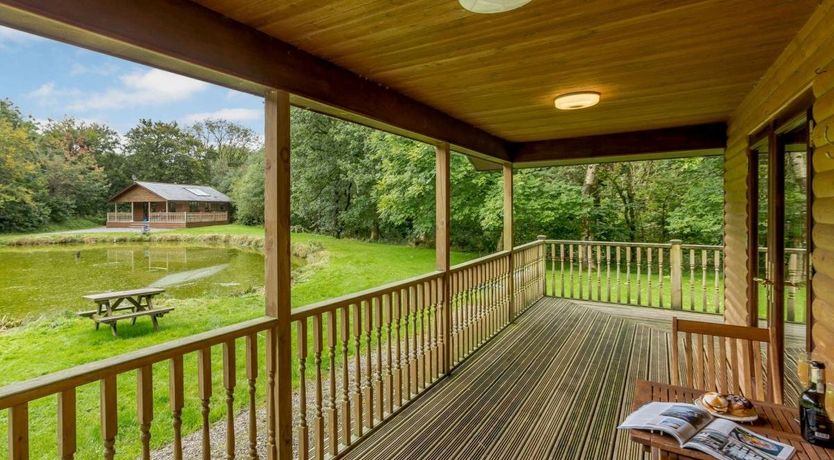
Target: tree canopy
[350,181]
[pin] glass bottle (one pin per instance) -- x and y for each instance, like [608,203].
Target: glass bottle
[813,419]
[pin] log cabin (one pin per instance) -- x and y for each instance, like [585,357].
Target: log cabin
[483,359]
[168,206]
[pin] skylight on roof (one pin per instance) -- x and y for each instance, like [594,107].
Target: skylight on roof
[196,191]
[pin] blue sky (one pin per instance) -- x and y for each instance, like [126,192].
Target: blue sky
[51,80]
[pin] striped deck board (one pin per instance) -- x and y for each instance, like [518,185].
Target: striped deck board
[553,385]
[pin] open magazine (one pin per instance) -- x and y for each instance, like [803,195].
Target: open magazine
[695,428]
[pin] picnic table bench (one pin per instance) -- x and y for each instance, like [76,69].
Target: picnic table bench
[139,303]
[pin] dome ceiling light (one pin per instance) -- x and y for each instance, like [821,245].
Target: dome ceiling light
[492,6]
[576,101]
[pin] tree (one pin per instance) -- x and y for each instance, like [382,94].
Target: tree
[248,192]
[19,183]
[228,147]
[163,152]
[75,183]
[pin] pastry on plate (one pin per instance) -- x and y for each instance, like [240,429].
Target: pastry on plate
[716,402]
[739,406]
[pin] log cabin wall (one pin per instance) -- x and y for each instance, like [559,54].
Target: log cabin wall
[806,61]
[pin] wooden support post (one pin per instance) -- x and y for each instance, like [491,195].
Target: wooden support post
[676,277]
[277,251]
[508,234]
[442,240]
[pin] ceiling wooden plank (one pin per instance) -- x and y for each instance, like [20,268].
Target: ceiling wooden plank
[704,139]
[186,38]
[657,63]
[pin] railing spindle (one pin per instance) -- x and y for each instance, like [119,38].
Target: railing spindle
[628,275]
[660,273]
[229,381]
[368,388]
[109,415]
[639,278]
[252,378]
[599,273]
[176,399]
[144,407]
[19,432]
[570,256]
[318,415]
[396,319]
[388,382]
[619,290]
[562,268]
[649,296]
[346,407]
[303,431]
[704,296]
[332,411]
[692,279]
[359,427]
[205,390]
[717,264]
[377,386]
[67,424]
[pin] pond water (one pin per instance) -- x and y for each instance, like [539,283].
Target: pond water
[48,281]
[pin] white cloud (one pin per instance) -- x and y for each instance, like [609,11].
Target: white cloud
[153,87]
[13,36]
[101,69]
[230,114]
[49,94]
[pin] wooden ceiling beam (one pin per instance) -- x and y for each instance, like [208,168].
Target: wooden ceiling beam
[677,142]
[183,37]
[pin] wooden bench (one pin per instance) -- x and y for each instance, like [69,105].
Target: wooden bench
[112,320]
[139,303]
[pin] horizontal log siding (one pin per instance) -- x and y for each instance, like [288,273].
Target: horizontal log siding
[791,74]
[823,211]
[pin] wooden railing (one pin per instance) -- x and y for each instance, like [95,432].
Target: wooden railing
[666,275]
[63,385]
[643,274]
[119,217]
[172,217]
[358,359]
[206,216]
[363,357]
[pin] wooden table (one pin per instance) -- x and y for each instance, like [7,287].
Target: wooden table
[139,303]
[775,421]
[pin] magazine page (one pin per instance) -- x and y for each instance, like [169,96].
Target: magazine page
[724,439]
[679,420]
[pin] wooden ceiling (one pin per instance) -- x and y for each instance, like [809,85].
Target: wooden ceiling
[657,63]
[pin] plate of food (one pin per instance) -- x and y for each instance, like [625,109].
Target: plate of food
[729,406]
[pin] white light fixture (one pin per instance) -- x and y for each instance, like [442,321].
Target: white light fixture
[492,6]
[575,101]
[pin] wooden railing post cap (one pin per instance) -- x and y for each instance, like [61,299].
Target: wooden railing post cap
[541,237]
[676,242]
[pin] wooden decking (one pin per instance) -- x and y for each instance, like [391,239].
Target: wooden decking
[553,385]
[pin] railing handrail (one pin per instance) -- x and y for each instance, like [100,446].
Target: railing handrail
[528,245]
[478,261]
[356,297]
[610,243]
[56,382]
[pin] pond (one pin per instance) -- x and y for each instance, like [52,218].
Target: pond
[38,282]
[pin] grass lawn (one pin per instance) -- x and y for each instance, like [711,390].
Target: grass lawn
[77,223]
[52,344]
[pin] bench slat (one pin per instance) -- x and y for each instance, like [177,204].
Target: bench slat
[154,312]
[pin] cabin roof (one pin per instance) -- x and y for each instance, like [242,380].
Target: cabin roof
[178,192]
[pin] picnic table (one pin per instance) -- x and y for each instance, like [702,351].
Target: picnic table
[138,302]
